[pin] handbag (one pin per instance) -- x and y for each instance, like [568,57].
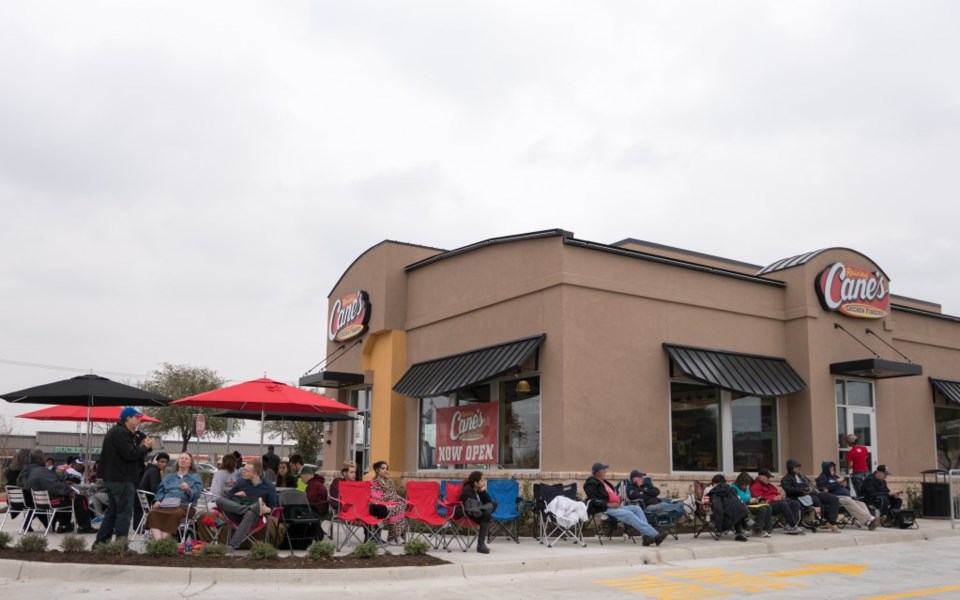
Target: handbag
[170,502]
[806,500]
[473,507]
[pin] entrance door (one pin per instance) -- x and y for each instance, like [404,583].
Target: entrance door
[862,422]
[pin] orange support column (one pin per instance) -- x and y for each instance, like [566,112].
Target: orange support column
[385,354]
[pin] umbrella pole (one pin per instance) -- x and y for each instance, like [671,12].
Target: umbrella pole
[263,418]
[87,464]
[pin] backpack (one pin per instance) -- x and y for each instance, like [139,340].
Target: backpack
[904,519]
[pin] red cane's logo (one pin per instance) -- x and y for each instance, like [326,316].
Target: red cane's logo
[466,426]
[853,292]
[349,317]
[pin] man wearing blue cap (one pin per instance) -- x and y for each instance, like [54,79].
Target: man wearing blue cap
[601,497]
[121,460]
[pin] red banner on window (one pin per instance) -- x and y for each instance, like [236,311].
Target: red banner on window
[467,434]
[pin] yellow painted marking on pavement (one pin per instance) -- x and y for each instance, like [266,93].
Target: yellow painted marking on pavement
[742,582]
[693,584]
[659,588]
[820,569]
[915,593]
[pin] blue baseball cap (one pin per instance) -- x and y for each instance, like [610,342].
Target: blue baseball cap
[128,412]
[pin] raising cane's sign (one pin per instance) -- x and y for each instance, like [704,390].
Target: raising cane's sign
[467,434]
[349,317]
[853,291]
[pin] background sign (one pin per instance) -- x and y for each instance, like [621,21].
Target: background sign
[201,426]
[467,434]
[853,291]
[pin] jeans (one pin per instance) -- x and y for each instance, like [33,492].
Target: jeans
[885,503]
[633,516]
[856,479]
[790,509]
[120,497]
[244,513]
[763,517]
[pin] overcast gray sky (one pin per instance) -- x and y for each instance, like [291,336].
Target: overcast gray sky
[185,181]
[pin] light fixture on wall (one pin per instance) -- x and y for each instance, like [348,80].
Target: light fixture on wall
[523,387]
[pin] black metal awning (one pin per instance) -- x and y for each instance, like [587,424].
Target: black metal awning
[876,368]
[331,379]
[950,389]
[762,376]
[450,373]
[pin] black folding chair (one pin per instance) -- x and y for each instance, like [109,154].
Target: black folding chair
[552,531]
[301,521]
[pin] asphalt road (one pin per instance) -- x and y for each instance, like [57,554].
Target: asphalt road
[921,569]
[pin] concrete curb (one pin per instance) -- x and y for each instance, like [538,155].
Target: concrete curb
[629,555]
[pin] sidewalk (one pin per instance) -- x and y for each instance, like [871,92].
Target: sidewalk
[506,557]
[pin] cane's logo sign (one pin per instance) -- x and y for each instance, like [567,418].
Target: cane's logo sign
[853,291]
[349,317]
[467,426]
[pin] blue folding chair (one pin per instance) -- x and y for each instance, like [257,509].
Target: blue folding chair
[506,519]
[443,494]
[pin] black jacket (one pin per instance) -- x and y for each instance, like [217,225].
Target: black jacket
[644,493]
[728,509]
[795,484]
[596,493]
[121,459]
[151,479]
[38,477]
[872,487]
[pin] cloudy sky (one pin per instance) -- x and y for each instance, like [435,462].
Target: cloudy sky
[185,182]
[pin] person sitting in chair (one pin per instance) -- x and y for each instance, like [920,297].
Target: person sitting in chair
[798,487]
[640,489]
[250,499]
[478,506]
[35,476]
[875,492]
[185,486]
[601,497]
[317,493]
[761,512]
[781,505]
[829,481]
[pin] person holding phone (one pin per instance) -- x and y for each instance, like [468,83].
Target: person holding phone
[640,488]
[875,492]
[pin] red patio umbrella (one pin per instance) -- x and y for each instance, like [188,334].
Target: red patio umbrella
[97,414]
[263,396]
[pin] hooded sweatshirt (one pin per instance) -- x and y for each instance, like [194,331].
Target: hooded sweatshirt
[830,482]
[795,484]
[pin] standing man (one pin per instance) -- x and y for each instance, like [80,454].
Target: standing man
[121,460]
[857,457]
[270,460]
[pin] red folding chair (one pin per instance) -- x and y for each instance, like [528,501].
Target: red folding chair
[354,515]
[259,524]
[423,503]
[463,529]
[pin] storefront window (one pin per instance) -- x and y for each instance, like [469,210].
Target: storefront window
[695,414]
[520,423]
[360,440]
[948,437]
[754,423]
[855,414]
[428,429]
[517,421]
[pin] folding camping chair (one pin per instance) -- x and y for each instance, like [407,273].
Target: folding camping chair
[551,531]
[17,505]
[423,511]
[354,515]
[605,526]
[462,529]
[703,514]
[302,522]
[259,525]
[145,499]
[42,505]
[505,519]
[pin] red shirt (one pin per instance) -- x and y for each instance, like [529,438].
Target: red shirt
[764,491]
[612,496]
[857,458]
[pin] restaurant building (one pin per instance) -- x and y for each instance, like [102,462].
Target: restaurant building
[539,354]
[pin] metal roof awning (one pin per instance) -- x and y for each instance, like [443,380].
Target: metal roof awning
[950,389]
[761,376]
[444,375]
[876,368]
[331,379]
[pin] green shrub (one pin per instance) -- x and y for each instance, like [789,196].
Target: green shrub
[163,547]
[5,540]
[367,550]
[213,551]
[263,551]
[416,546]
[117,547]
[73,544]
[320,550]
[32,542]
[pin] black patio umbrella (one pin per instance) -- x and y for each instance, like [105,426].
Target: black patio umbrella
[87,390]
[285,416]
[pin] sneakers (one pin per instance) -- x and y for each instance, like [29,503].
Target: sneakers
[766,534]
[792,530]
[231,550]
[872,523]
[740,537]
[833,528]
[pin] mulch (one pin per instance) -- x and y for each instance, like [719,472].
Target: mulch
[226,562]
